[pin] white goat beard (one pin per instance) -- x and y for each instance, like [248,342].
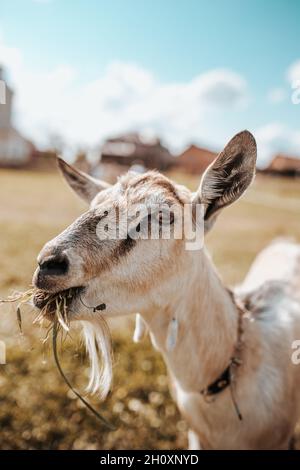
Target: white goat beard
[98,345]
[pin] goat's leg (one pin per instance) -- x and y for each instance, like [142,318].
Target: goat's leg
[194,441]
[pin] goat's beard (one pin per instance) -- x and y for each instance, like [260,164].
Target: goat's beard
[98,345]
[96,335]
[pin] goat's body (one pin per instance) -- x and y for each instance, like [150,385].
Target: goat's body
[268,383]
[193,319]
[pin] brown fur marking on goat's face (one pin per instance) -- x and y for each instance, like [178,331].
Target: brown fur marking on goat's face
[152,182]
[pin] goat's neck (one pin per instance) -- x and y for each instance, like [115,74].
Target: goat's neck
[207,324]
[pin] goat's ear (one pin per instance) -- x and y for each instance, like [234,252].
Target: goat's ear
[84,185]
[227,178]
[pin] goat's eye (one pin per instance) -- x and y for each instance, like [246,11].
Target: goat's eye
[105,213]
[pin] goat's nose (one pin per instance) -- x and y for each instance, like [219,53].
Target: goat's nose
[54,265]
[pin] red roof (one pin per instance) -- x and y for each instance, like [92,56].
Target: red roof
[283,162]
[196,159]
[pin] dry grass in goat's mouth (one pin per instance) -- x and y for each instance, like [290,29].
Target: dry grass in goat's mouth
[55,308]
[52,306]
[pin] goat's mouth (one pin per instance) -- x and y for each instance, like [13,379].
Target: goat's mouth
[49,302]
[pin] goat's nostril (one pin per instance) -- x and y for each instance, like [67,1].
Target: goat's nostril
[54,266]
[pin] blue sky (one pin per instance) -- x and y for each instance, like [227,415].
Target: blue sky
[190,70]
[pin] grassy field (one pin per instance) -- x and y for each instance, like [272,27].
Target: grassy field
[37,411]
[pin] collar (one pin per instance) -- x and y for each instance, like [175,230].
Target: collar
[223,381]
[228,376]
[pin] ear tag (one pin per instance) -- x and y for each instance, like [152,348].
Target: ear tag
[140,329]
[172,334]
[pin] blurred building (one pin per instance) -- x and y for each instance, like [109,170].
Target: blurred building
[81,162]
[15,149]
[132,149]
[195,159]
[284,165]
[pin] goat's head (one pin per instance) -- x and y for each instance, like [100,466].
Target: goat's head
[111,256]
[123,268]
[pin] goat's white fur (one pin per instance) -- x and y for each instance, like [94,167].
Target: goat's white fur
[162,282]
[98,345]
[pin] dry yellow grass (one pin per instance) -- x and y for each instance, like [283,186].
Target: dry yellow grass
[36,409]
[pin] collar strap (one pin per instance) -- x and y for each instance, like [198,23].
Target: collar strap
[225,380]
[222,382]
[228,376]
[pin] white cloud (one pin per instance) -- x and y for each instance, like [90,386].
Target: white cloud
[220,87]
[277,95]
[11,57]
[293,72]
[125,97]
[274,138]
